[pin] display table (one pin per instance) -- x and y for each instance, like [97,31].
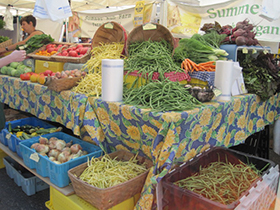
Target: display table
[166,138]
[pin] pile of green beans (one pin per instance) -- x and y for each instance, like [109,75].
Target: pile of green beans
[161,96]
[148,57]
[221,182]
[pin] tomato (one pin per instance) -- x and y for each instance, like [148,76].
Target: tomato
[73,53]
[25,76]
[83,50]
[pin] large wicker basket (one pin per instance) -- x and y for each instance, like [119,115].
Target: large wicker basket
[109,197]
[149,31]
[6,43]
[109,32]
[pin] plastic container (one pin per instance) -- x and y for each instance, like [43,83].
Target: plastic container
[41,66]
[12,140]
[233,49]
[29,183]
[58,201]
[3,138]
[56,172]
[259,196]
[2,155]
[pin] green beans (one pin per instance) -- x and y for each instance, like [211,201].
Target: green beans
[148,57]
[221,181]
[161,96]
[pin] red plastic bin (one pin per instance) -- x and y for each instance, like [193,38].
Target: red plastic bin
[261,194]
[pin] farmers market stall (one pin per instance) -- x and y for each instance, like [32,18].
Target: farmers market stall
[164,137]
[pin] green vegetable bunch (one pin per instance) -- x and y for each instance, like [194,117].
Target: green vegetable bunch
[36,42]
[150,56]
[4,38]
[200,48]
[258,79]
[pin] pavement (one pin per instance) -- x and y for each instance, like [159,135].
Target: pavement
[12,197]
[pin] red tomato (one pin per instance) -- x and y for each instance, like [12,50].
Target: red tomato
[73,53]
[50,49]
[83,50]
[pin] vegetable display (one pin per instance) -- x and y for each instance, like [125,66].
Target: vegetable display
[107,172]
[91,84]
[200,48]
[148,57]
[15,69]
[261,74]
[221,182]
[191,66]
[161,96]
[28,131]
[57,150]
[241,34]
[35,43]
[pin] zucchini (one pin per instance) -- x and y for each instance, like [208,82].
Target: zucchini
[10,127]
[25,136]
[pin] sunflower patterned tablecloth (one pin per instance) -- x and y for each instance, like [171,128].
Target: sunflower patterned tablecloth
[66,107]
[172,137]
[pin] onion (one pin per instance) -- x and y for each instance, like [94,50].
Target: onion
[33,146]
[52,140]
[51,158]
[60,144]
[53,153]
[69,144]
[73,156]
[43,140]
[42,148]
[75,148]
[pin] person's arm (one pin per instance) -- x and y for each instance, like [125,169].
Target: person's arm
[13,46]
[15,56]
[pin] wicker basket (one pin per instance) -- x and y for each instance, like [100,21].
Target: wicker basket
[46,58]
[109,197]
[109,32]
[82,59]
[62,84]
[149,31]
[6,43]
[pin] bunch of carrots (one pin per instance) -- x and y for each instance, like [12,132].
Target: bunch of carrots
[191,66]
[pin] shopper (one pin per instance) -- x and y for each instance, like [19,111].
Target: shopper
[17,55]
[28,24]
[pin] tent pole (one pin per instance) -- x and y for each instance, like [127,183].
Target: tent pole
[17,31]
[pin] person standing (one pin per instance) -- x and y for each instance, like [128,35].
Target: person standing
[17,56]
[28,24]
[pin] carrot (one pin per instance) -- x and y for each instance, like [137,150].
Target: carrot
[193,64]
